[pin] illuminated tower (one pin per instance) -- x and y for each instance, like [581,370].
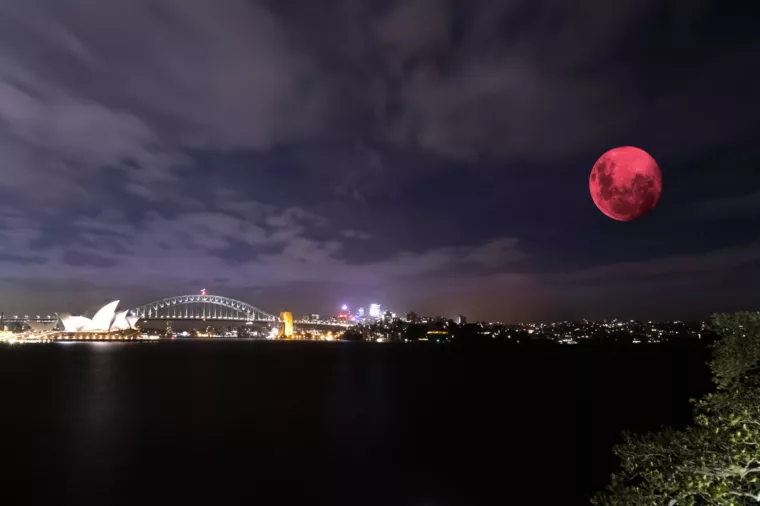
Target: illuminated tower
[374,310]
[287,325]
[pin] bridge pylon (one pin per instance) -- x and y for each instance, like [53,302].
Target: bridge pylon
[286,330]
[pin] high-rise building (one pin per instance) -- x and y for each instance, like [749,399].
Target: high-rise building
[461,319]
[374,310]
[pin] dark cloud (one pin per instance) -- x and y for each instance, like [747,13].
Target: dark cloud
[80,259]
[689,264]
[356,234]
[21,259]
[429,153]
[533,79]
[747,205]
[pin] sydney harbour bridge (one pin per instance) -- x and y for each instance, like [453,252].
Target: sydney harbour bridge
[202,307]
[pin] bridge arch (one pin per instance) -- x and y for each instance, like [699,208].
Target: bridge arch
[194,307]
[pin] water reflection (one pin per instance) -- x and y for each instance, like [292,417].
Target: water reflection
[96,419]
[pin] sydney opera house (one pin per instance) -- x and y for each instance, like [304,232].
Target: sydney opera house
[107,324]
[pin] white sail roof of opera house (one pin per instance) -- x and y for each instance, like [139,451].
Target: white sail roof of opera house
[74,323]
[105,320]
[102,320]
[120,321]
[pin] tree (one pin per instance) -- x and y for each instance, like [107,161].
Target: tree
[415,331]
[715,461]
[737,355]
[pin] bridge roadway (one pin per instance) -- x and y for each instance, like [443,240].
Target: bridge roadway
[304,323]
[307,323]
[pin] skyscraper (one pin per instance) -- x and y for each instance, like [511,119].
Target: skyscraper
[374,310]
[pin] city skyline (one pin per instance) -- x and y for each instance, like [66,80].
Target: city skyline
[353,314]
[431,156]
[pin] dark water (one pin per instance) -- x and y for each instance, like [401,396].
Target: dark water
[339,423]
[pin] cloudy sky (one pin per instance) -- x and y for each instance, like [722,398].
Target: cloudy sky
[426,154]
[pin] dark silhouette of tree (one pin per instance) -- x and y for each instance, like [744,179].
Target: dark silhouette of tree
[352,335]
[415,331]
[470,333]
[716,461]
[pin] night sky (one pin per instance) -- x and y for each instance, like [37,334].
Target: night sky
[424,154]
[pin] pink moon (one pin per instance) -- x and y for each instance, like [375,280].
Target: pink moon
[625,183]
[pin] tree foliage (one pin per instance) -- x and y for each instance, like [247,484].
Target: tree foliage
[737,354]
[715,461]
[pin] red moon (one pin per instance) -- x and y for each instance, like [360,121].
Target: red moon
[625,183]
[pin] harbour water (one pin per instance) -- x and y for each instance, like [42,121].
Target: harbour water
[327,423]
